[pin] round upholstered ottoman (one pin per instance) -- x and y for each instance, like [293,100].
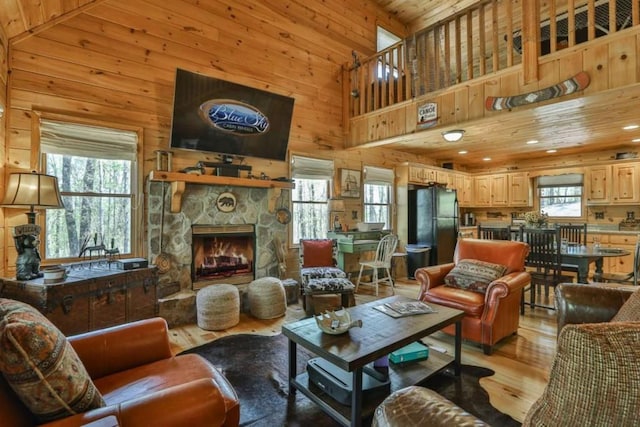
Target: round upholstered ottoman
[267,298]
[218,307]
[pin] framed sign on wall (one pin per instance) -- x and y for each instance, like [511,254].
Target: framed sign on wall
[350,183]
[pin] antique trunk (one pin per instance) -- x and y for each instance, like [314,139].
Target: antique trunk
[90,298]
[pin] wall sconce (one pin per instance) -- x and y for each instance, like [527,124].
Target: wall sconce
[355,93]
[33,191]
[453,135]
[336,205]
[1,111]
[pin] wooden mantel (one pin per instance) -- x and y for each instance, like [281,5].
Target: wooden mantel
[179,180]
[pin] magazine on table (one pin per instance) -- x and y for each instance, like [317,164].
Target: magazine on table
[405,308]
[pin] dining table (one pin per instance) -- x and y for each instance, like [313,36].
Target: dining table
[584,255]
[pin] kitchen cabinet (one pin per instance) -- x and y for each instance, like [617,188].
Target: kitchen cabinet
[499,190]
[482,191]
[445,177]
[519,189]
[621,264]
[491,190]
[624,184]
[464,188]
[597,180]
[421,175]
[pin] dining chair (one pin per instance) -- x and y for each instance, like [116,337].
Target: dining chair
[627,278]
[494,232]
[544,261]
[382,260]
[573,233]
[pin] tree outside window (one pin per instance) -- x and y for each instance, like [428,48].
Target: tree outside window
[561,196]
[377,204]
[310,203]
[98,205]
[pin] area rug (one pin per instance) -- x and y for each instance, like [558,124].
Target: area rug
[257,367]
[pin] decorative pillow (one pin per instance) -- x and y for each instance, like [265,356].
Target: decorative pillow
[41,366]
[317,253]
[474,275]
[630,310]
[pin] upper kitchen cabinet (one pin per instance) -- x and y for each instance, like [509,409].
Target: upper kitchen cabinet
[613,184]
[519,189]
[598,180]
[625,187]
[464,188]
[500,190]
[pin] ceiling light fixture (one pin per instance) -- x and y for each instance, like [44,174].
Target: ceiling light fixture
[533,141]
[486,159]
[635,140]
[463,152]
[552,151]
[631,127]
[453,135]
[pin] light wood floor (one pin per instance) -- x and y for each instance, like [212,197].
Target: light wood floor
[521,362]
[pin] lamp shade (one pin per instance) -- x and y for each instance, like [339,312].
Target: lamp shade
[32,190]
[336,205]
[453,135]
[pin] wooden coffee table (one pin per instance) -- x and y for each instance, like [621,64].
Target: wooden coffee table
[380,335]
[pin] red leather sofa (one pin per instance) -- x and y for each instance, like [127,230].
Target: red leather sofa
[141,382]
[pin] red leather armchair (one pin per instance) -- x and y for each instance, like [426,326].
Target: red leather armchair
[491,316]
[142,383]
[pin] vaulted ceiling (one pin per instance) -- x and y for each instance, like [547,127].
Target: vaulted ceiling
[577,126]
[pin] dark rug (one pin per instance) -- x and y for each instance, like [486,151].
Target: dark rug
[257,367]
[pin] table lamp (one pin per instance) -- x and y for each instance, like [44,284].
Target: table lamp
[336,205]
[33,191]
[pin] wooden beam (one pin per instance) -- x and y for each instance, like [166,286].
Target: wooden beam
[530,40]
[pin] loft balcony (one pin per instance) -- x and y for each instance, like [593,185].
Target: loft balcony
[496,48]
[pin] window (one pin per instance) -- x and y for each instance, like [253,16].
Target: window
[384,40]
[561,195]
[310,218]
[378,183]
[95,169]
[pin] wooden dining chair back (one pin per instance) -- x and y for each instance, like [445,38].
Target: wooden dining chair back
[544,261]
[489,232]
[574,233]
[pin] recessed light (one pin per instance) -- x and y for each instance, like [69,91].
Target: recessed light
[463,152]
[486,159]
[635,140]
[631,127]
[552,151]
[533,141]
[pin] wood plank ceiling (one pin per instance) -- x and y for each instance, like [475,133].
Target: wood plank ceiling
[575,127]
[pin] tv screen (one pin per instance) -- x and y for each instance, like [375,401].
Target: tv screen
[222,117]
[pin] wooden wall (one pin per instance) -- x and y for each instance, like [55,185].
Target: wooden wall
[3,133]
[114,62]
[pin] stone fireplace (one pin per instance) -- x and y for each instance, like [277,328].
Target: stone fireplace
[198,212]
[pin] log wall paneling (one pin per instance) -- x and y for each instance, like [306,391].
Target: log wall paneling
[3,135]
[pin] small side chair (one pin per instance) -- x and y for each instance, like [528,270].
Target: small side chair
[382,261]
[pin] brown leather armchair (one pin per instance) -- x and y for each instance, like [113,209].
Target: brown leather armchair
[491,316]
[141,382]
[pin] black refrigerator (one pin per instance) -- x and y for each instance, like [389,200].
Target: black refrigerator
[433,222]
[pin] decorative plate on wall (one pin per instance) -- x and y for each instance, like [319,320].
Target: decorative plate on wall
[283,215]
[226,202]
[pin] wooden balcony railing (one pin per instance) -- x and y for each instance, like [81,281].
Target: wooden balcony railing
[483,39]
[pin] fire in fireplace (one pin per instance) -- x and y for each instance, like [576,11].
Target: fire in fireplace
[222,254]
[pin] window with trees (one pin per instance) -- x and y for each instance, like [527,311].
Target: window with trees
[310,216]
[560,196]
[378,185]
[96,174]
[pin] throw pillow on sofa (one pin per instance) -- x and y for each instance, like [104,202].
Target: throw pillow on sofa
[630,310]
[474,275]
[41,366]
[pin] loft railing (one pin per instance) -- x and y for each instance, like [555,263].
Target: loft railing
[485,38]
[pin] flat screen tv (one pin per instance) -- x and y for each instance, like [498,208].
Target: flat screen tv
[230,119]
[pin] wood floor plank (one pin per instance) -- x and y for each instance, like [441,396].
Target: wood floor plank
[521,363]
